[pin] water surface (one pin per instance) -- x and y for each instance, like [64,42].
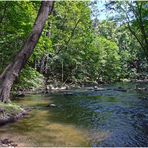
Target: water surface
[108,117]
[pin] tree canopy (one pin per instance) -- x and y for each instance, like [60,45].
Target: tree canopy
[74,46]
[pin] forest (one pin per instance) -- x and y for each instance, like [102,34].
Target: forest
[47,47]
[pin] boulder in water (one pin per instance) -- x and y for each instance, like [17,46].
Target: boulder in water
[52,105]
[68,94]
[120,89]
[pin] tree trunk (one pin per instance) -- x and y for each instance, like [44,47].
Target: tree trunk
[12,71]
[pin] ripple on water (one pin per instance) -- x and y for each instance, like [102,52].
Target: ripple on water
[90,118]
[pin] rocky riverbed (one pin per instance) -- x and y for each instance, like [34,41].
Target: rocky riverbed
[7,143]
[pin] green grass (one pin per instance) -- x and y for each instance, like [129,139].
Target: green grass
[9,109]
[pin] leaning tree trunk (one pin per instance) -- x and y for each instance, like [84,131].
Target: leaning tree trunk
[12,71]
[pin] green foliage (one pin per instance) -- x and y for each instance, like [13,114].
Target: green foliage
[131,55]
[71,35]
[16,22]
[106,59]
[29,79]
[73,47]
[9,110]
[133,14]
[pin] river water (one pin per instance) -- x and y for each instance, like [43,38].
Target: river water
[111,116]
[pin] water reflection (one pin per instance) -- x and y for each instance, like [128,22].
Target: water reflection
[91,118]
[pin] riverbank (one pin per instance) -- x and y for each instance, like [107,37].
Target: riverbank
[11,112]
[6,143]
[53,88]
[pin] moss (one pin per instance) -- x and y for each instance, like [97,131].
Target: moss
[10,108]
[9,111]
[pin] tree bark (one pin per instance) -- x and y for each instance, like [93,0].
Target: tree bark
[12,71]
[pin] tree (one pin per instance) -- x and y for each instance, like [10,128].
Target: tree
[126,25]
[13,70]
[16,23]
[134,15]
[70,36]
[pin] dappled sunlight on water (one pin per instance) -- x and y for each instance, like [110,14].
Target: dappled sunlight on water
[37,129]
[38,132]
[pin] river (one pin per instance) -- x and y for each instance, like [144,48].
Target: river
[111,116]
